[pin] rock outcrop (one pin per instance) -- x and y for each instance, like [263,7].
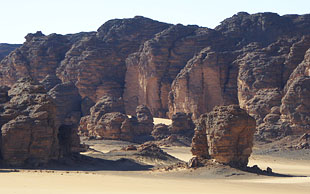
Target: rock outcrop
[29,126]
[96,64]
[254,60]
[226,135]
[107,120]
[5,49]
[151,71]
[67,101]
[38,57]
[182,123]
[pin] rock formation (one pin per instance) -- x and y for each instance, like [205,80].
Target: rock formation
[182,123]
[5,49]
[107,120]
[226,135]
[151,71]
[68,113]
[96,64]
[29,125]
[258,61]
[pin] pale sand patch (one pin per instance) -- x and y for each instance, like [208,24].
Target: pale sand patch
[163,121]
[282,165]
[182,153]
[38,183]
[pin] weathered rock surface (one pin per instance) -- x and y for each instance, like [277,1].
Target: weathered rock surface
[29,126]
[182,123]
[107,120]
[96,64]
[68,113]
[255,60]
[151,71]
[5,49]
[145,120]
[160,131]
[228,132]
[38,57]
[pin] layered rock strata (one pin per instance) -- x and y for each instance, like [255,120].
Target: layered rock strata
[107,120]
[5,49]
[29,129]
[255,60]
[226,135]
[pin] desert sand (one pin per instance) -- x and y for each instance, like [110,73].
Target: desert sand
[160,181]
[62,182]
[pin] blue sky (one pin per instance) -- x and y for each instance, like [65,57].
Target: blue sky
[19,17]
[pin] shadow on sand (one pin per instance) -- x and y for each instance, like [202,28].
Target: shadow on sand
[78,162]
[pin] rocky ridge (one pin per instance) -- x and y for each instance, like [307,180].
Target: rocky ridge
[259,61]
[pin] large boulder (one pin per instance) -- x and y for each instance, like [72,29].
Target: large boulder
[145,120]
[182,123]
[229,132]
[107,120]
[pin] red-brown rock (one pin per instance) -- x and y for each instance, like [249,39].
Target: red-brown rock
[229,134]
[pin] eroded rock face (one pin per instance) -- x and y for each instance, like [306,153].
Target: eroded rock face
[182,123]
[229,132]
[151,71]
[68,113]
[145,120]
[209,79]
[30,126]
[29,133]
[5,49]
[107,120]
[96,64]
[249,59]
[38,57]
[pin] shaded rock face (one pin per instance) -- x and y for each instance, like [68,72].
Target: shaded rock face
[160,131]
[96,64]
[68,113]
[209,79]
[107,120]
[151,71]
[38,57]
[263,86]
[182,123]
[145,119]
[29,126]
[5,49]
[249,59]
[226,135]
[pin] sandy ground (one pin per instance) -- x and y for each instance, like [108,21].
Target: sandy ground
[62,182]
[178,181]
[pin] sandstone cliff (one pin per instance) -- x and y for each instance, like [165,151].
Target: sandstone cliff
[5,49]
[256,60]
[30,130]
[96,64]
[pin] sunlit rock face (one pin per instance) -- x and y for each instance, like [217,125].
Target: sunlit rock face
[32,125]
[225,134]
[258,61]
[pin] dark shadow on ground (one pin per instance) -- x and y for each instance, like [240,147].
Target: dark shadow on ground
[256,170]
[78,162]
